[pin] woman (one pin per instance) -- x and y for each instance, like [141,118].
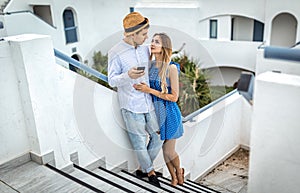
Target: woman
[164,88]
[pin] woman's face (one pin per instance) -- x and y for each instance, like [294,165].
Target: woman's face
[156,45]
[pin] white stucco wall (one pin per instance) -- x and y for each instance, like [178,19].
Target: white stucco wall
[182,19]
[275,145]
[16,6]
[13,133]
[236,54]
[213,135]
[246,123]
[34,63]
[223,28]
[33,24]
[269,64]
[203,29]
[253,9]
[96,21]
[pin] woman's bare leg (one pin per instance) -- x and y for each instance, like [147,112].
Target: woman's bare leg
[172,160]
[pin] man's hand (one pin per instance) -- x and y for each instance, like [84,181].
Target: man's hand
[133,73]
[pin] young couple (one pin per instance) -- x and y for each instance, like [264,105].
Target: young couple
[148,96]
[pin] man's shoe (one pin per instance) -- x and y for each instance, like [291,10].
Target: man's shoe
[158,174]
[153,180]
[141,174]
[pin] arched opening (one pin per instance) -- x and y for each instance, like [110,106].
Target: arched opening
[70,26]
[71,67]
[284,30]
[224,75]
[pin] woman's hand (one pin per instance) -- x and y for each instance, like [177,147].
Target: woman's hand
[143,87]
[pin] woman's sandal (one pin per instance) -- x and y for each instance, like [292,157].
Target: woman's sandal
[174,182]
[180,177]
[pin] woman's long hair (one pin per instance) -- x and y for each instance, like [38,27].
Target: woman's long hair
[166,58]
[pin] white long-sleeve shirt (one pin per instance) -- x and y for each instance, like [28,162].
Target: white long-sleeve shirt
[121,58]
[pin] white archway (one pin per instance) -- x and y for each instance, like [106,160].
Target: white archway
[284,30]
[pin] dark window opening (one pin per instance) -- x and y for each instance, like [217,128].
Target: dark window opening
[232,28]
[258,31]
[70,28]
[43,12]
[213,28]
[131,9]
[1,25]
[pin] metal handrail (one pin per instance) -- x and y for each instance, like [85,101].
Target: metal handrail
[282,53]
[79,65]
[194,114]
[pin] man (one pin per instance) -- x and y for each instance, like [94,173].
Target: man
[136,107]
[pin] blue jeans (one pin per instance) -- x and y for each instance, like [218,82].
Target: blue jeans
[139,127]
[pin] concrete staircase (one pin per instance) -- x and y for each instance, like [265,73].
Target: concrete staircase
[32,177]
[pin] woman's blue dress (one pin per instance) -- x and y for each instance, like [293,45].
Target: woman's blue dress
[167,112]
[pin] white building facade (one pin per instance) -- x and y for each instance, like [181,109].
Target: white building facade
[229,34]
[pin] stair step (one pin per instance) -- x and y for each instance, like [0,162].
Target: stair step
[193,187]
[143,182]
[172,188]
[165,184]
[204,188]
[32,177]
[183,187]
[75,179]
[97,181]
[5,188]
[118,179]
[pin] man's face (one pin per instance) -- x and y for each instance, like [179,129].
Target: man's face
[139,38]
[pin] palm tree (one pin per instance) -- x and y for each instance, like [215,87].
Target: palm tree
[100,64]
[194,91]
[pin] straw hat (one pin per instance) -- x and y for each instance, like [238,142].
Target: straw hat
[134,22]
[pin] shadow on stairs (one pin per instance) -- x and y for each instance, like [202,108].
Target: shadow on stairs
[32,177]
[103,180]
